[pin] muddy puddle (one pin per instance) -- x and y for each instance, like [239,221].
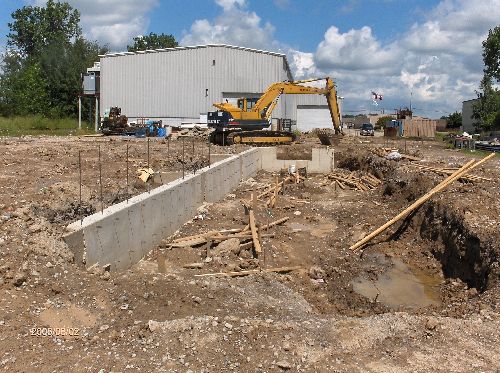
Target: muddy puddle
[399,285]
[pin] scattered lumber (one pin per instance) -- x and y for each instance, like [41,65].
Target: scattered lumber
[356,180]
[450,179]
[224,234]
[449,171]
[250,272]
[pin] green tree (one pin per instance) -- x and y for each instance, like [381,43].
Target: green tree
[486,112]
[491,55]
[454,120]
[382,120]
[152,41]
[25,91]
[34,28]
[64,65]
[47,57]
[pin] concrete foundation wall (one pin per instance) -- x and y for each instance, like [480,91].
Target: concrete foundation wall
[322,161]
[124,233]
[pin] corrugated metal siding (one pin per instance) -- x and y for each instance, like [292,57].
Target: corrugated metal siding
[173,83]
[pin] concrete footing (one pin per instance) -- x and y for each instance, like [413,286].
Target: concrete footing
[124,233]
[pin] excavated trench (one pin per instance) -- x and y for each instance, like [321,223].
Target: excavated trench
[462,253]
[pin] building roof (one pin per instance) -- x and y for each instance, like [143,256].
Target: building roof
[119,54]
[472,99]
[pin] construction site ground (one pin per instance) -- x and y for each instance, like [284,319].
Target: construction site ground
[423,296]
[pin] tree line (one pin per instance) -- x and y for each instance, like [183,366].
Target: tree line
[46,55]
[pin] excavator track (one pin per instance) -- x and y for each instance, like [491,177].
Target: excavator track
[255,138]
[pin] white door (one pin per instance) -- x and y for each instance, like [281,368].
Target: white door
[313,116]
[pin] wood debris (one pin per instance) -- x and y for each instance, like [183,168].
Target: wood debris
[356,180]
[217,236]
[449,171]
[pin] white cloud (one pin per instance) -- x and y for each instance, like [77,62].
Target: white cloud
[113,22]
[353,50]
[301,63]
[439,60]
[230,4]
[235,26]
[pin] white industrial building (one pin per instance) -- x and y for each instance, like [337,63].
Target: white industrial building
[179,85]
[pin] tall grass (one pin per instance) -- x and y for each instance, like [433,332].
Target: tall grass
[38,125]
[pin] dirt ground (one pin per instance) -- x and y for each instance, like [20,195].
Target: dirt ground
[421,297]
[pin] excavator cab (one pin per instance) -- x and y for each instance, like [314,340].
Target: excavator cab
[247,104]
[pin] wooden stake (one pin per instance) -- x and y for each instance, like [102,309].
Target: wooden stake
[255,237]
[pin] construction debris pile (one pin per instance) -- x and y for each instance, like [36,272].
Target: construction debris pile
[196,131]
[392,154]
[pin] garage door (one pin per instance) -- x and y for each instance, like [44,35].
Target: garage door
[313,116]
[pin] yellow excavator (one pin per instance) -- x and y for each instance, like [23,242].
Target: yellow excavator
[245,123]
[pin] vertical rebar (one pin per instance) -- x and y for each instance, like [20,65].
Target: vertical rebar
[127,173]
[209,151]
[183,157]
[149,187]
[148,152]
[100,180]
[80,183]
[168,148]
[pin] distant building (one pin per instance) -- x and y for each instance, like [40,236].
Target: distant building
[467,121]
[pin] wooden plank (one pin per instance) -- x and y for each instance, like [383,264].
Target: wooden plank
[188,238]
[464,169]
[240,236]
[276,222]
[255,237]
[246,246]
[250,272]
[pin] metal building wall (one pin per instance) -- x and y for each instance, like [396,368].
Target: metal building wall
[180,84]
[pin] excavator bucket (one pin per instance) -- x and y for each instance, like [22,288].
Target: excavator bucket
[328,137]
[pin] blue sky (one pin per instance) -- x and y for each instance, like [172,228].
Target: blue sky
[430,49]
[299,23]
